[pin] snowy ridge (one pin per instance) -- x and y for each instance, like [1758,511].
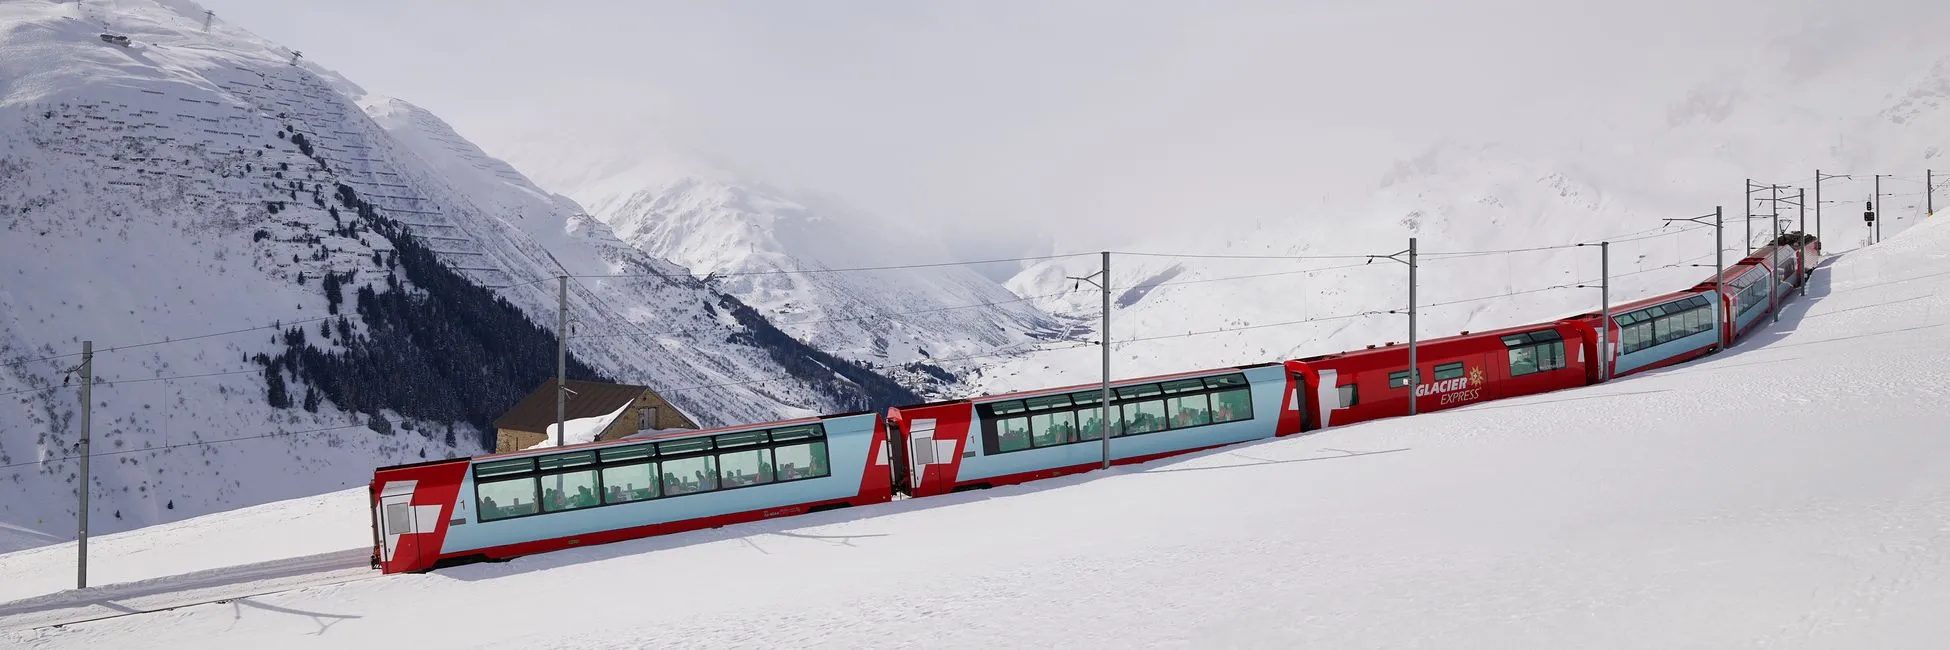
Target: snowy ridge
[189,183]
[1652,511]
[1776,126]
[739,236]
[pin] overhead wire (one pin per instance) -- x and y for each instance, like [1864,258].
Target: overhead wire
[890,267]
[199,443]
[131,346]
[118,382]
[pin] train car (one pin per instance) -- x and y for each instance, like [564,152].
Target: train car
[1012,438]
[1746,293]
[1659,331]
[1465,369]
[1784,263]
[1807,251]
[505,505]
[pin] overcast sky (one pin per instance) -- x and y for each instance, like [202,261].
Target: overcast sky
[1009,122]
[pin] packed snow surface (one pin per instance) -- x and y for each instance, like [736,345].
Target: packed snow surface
[1791,492]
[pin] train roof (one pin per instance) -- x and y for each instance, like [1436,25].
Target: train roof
[638,438]
[1732,271]
[1465,335]
[997,397]
[1641,303]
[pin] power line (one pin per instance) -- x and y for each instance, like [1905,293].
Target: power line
[892,267]
[1255,275]
[1392,311]
[1000,353]
[884,314]
[139,381]
[180,445]
[1254,327]
[1243,257]
[118,348]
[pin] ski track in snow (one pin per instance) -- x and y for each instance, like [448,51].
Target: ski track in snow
[1790,492]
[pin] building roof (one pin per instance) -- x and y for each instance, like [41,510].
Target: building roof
[587,399]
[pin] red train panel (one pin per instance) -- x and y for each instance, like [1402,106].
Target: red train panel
[1456,371]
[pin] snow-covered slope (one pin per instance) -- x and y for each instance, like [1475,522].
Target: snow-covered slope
[1842,105]
[1790,492]
[195,183]
[739,236]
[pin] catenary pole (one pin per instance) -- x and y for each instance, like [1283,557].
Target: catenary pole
[87,408]
[561,355]
[1748,193]
[1817,205]
[1104,421]
[1777,254]
[1800,265]
[1604,300]
[1414,374]
[1929,192]
[1719,265]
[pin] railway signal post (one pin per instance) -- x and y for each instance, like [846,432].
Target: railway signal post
[1878,207]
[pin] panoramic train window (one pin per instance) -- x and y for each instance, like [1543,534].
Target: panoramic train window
[1056,420]
[627,483]
[628,473]
[503,499]
[1398,379]
[573,489]
[1753,293]
[690,475]
[1661,324]
[1534,352]
[801,461]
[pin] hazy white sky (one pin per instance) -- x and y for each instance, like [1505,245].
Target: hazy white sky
[1009,122]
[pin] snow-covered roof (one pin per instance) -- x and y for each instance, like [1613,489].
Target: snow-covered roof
[580,430]
[586,399]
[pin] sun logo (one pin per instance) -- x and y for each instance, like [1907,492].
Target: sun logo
[1476,376]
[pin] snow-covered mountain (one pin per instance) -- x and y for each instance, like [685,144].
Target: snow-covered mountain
[1842,105]
[1697,506]
[932,327]
[289,281]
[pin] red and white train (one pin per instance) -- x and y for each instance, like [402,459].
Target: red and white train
[436,513]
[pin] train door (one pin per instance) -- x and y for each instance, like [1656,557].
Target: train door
[1296,400]
[396,520]
[897,454]
[922,452]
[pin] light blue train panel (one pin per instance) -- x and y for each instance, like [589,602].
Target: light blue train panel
[847,440]
[1265,384]
[1704,334]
